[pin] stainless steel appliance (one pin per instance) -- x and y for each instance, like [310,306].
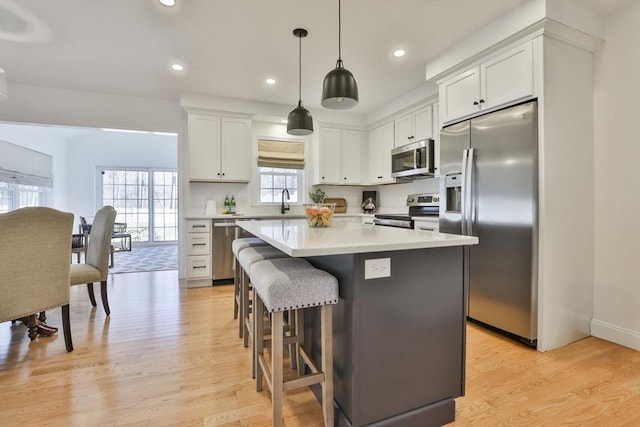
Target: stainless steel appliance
[222,235]
[420,205]
[489,189]
[415,160]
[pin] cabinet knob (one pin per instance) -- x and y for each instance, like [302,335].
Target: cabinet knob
[323,177]
[482,101]
[380,177]
[218,173]
[222,173]
[475,102]
[345,178]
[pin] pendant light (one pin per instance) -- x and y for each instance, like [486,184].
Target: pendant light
[300,121]
[339,90]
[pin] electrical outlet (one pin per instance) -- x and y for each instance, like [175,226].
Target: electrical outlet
[377,268]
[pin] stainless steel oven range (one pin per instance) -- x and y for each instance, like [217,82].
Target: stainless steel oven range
[426,205]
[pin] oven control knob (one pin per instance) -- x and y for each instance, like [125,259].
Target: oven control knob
[436,199]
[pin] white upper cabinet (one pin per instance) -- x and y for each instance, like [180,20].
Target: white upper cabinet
[236,149]
[505,78]
[340,159]
[352,144]
[381,142]
[414,126]
[219,148]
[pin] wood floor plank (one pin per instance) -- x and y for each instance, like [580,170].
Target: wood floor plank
[170,356]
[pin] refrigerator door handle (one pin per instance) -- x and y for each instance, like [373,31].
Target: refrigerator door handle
[470,216]
[465,190]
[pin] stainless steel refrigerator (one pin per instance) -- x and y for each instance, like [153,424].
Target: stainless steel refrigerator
[488,189]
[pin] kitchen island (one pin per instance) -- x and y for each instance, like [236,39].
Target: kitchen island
[399,326]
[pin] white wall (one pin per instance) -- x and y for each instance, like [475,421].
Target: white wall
[37,139]
[112,149]
[617,179]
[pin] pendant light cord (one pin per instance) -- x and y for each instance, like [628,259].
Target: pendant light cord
[299,69]
[339,31]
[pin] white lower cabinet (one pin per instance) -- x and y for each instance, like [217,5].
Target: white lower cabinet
[199,252]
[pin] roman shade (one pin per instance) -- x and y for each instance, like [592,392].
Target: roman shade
[20,165]
[280,154]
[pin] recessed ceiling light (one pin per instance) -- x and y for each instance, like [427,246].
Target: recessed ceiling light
[270,81]
[399,52]
[167,3]
[177,67]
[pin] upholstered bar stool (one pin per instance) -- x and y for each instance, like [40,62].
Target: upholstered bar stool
[247,257]
[293,284]
[236,246]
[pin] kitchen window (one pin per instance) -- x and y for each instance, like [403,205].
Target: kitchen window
[274,180]
[280,166]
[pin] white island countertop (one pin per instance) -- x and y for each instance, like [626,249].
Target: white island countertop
[296,238]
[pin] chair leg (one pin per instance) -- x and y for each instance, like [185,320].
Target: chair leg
[92,297]
[66,326]
[105,300]
[32,326]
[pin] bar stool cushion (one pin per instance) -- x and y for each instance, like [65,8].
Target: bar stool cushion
[239,244]
[292,283]
[250,255]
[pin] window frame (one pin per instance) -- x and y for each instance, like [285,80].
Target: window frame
[300,175]
[149,200]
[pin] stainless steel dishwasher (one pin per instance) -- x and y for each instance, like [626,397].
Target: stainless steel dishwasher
[222,235]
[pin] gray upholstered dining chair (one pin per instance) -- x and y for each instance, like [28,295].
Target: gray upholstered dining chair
[96,265]
[35,248]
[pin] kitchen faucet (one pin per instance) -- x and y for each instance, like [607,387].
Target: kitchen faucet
[284,208]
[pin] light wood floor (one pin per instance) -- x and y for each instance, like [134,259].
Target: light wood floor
[171,356]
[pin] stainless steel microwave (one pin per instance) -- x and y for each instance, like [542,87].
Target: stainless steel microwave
[412,161]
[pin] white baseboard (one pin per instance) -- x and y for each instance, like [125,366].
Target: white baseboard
[616,334]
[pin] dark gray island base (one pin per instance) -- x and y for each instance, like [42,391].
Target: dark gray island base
[399,341]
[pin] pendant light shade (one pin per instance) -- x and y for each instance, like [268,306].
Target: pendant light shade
[339,89]
[300,121]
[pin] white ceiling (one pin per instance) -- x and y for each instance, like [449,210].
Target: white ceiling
[229,47]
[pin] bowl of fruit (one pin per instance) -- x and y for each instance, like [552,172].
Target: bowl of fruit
[319,214]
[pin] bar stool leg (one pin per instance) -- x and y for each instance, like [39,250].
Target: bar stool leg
[258,340]
[326,336]
[236,288]
[300,341]
[245,308]
[277,343]
[293,330]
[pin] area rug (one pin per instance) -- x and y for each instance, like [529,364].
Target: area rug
[146,258]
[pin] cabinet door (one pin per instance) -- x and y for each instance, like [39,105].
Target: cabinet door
[381,142]
[507,77]
[352,142]
[236,150]
[204,147]
[404,130]
[436,138]
[460,94]
[330,156]
[422,123]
